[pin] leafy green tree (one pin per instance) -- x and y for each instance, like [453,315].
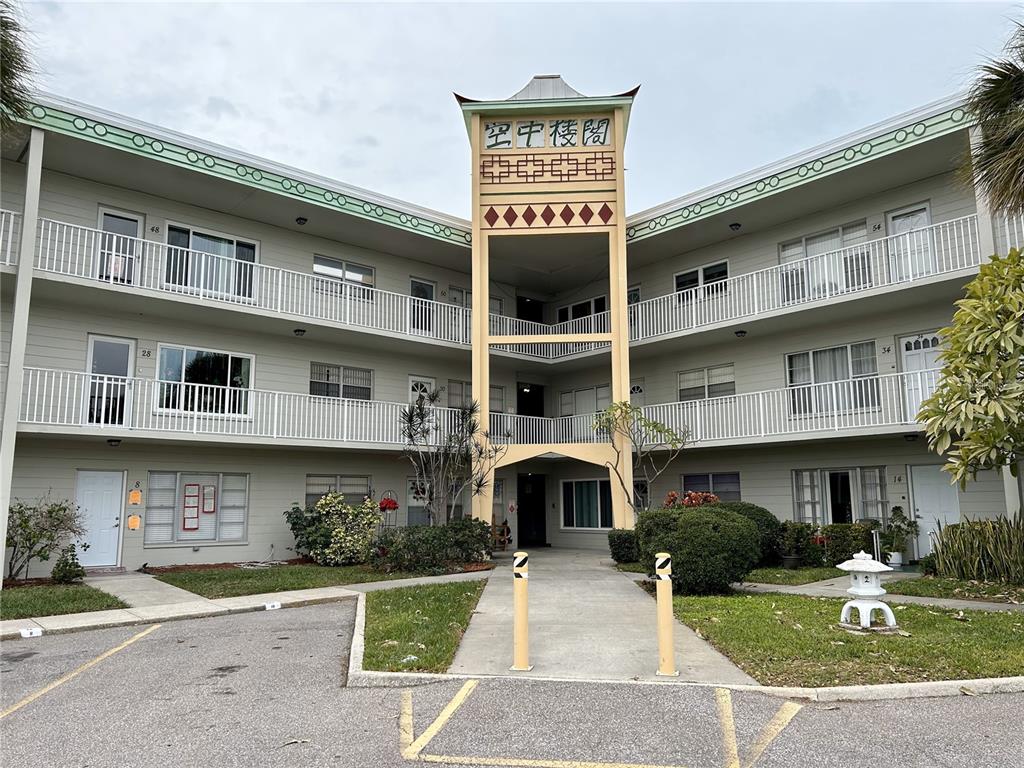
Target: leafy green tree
[653,447]
[35,531]
[976,415]
[997,102]
[15,68]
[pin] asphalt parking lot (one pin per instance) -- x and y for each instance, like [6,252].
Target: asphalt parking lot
[268,689]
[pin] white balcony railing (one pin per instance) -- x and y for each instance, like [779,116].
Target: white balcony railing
[939,249]
[10,229]
[1010,233]
[86,401]
[89,253]
[855,404]
[133,262]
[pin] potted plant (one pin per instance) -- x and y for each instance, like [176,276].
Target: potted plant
[794,542]
[895,537]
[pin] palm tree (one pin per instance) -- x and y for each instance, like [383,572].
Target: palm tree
[997,102]
[15,68]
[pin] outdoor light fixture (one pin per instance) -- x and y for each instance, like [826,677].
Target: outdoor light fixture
[735,226]
[741,334]
[301,220]
[113,442]
[300,332]
[526,389]
[910,438]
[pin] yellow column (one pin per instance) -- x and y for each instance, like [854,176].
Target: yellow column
[481,370]
[618,285]
[666,621]
[521,619]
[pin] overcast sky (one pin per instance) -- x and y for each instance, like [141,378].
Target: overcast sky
[362,93]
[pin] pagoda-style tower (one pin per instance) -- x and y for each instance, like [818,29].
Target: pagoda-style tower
[549,161]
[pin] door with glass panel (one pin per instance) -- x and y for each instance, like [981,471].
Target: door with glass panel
[422,309]
[911,250]
[920,358]
[119,247]
[210,264]
[109,390]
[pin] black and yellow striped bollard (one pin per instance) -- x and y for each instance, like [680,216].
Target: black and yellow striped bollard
[666,621]
[521,628]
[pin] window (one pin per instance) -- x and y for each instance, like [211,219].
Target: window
[846,268]
[209,262]
[416,503]
[203,381]
[329,380]
[702,383]
[633,294]
[460,394]
[355,488]
[185,507]
[584,401]
[345,272]
[725,485]
[497,399]
[582,309]
[498,513]
[464,298]
[806,496]
[874,505]
[641,494]
[852,363]
[707,275]
[586,504]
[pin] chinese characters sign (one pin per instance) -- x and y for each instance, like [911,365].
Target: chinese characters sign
[557,133]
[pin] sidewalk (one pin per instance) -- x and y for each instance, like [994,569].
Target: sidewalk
[587,622]
[151,600]
[837,588]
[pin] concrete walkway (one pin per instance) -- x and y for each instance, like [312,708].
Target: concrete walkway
[144,594]
[588,621]
[837,588]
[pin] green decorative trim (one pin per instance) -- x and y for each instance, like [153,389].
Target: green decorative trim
[59,121]
[810,170]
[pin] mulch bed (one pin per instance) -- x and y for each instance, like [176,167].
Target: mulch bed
[39,582]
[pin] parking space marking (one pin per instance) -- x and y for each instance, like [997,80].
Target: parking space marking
[76,672]
[412,748]
[775,726]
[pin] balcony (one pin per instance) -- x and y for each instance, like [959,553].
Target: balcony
[76,402]
[940,249]
[126,263]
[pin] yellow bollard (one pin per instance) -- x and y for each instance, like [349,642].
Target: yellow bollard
[666,621]
[521,630]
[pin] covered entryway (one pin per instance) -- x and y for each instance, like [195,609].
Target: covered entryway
[935,503]
[99,495]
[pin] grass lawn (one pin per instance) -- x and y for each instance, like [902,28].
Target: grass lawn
[631,567]
[791,577]
[232,582]
[795,640]
[418,629]
[930,586]
[53,600]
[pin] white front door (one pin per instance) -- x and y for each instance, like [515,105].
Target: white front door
[110,365]
[422,309]
[911,251]
[100,495]
[119,247]
[920,353]
[935,502]
[420,386]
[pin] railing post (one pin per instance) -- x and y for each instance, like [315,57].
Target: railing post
[760,412]
[275,412]
[280,289]
[835,408]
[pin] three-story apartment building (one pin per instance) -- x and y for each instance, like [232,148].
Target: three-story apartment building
[192,338]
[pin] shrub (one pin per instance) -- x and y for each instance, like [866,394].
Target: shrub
[34,531]
[710,548]
[798,539]
[67,569]
[688,499]
[842,540]
[769,528]
[622,543]
[332,532]
[929,566]
[982,550]
[432,549]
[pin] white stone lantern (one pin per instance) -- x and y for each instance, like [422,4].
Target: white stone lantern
[866,588]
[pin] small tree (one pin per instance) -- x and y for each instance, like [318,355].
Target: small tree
[976,415]
[449,453]
[653,445]
[15,68]
[35,531]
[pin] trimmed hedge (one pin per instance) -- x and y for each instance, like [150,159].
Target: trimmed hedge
[710,548]
[843,540]
[432,548]
[769,528]
[622,543]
